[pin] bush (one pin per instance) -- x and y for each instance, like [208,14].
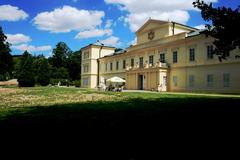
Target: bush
[2,77]
[26,80]
[43,80]
[77,83]
[26,77]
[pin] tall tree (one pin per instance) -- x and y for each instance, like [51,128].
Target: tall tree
[6,61]
[74,65]
[60,54]
[26,77]
[41,69]
[224,28]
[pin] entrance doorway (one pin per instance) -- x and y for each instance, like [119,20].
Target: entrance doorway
[140,82]
[164,84]
[163,81]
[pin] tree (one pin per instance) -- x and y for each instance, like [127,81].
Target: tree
[16,65]
[74,65]
[224,28]
[41,69]
[60,54]
[6,61]
[26,76]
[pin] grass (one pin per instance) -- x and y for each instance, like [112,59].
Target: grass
[52,108]
[83,116]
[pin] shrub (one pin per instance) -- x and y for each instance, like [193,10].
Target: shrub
[26,77]
[77,83]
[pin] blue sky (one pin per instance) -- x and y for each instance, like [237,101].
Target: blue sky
[37,25]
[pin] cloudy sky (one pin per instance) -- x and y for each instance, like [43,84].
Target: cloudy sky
[37,25]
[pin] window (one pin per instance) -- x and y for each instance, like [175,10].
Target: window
[85,81]
[111,66]
[162,57]
[151,60]
[86,55]
[85,68]
[117,64]
[191,80]
[210,51]
[226,80]
[209,80]
[106,65]
[141,62]
[124,64]
[175,81]
[175,57]
[191,54]
[132,62]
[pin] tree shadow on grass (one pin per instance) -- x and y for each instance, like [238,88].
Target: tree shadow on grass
[127,128]
[130,114]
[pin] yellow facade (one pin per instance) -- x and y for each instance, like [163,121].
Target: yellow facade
[89,64]
[167,57]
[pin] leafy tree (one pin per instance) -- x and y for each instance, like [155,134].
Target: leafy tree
[41,69]
[26,76]
[62,73]
[60,54]
[6,61]
[224,28]
[74,65]
[16,65]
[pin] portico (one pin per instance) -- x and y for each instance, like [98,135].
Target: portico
[148,78]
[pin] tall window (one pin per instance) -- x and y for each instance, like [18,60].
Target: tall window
[124,64]
[86,55]
[209,80]
[117,64]
[106,65]
[226,80]
[175,57]
[85,68]
[210,51]
[111,66]
[151,60]
[175,81]
[191,54]
[85,81]
[162,57]
[132,62]
[191,80]
[141,62]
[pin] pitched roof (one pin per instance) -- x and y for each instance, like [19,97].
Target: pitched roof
[163,22]
[98,46]
[151,21]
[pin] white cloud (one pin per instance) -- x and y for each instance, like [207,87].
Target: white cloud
[121,18]
[111,41]
[68,18]
[31,48]
[93,33]
[17,38]
[11,13]
[109,23]
[140,10]
[133,42]
[201,26]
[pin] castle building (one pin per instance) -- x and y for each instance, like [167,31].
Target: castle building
[168,56]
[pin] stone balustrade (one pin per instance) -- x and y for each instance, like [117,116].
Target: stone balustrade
[146,65]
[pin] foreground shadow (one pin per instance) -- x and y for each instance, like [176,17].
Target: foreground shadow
[132,114]
[126,128]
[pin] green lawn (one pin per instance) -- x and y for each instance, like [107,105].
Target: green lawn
[67,119]
[65,107]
